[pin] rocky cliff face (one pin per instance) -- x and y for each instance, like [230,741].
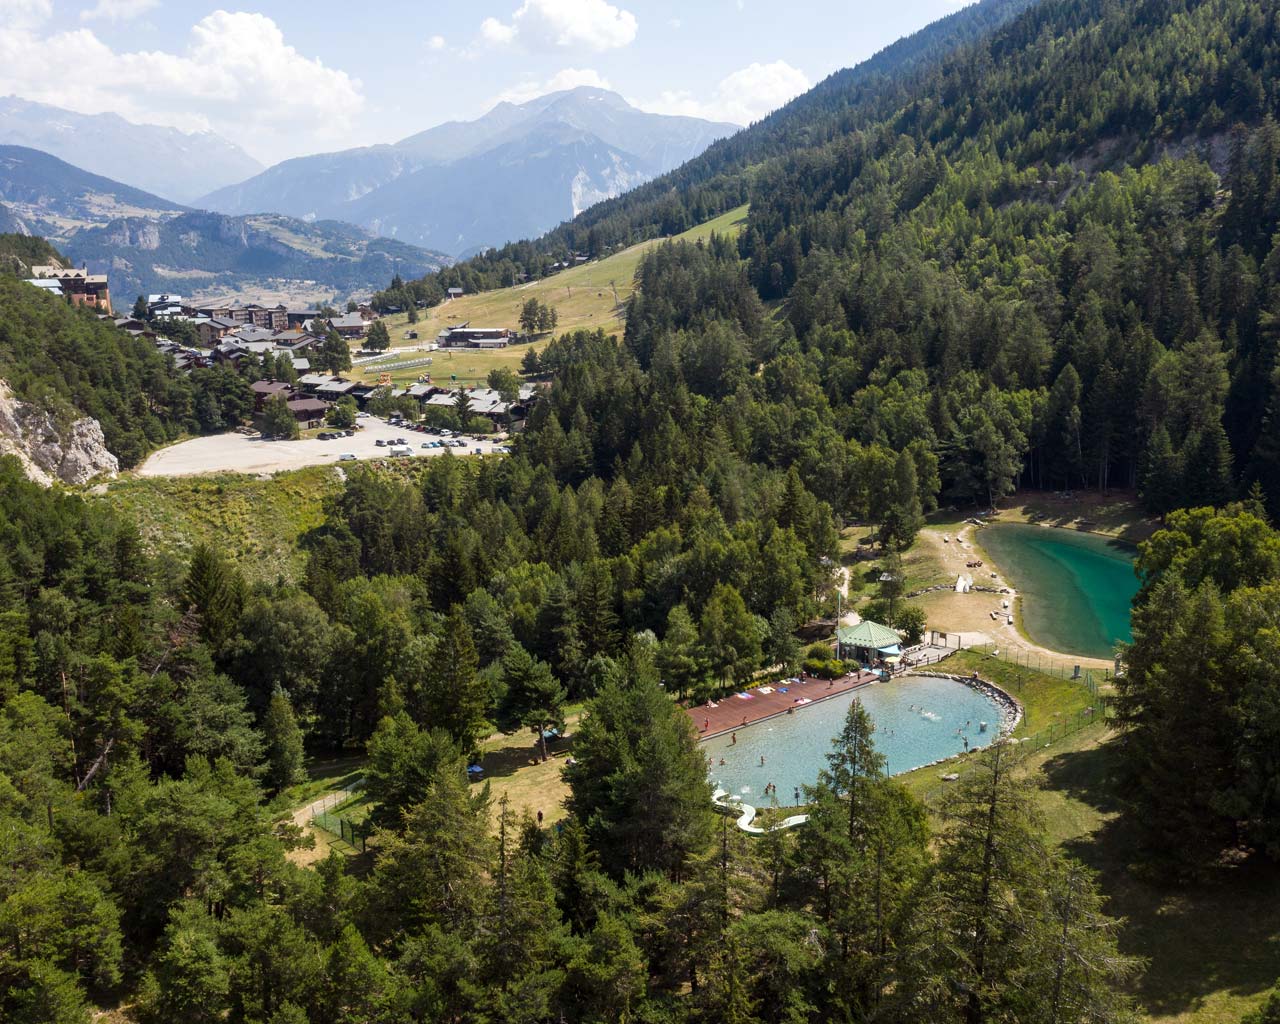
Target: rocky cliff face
[49,450]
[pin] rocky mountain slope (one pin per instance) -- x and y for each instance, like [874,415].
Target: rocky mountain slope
[73,452]
[517,171]
[149,244]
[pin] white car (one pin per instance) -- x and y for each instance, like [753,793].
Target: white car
[347,457]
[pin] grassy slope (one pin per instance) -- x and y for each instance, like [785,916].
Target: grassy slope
[1213,949]
[256,521]
[583,297]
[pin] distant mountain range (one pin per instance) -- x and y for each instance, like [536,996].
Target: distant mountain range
[149,244]
[514,173]
[168,162]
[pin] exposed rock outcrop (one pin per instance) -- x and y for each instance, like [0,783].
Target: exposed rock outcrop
[49,450]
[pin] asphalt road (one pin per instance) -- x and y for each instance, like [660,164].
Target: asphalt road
[245,453]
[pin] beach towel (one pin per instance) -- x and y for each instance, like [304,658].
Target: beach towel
[782,689]
[744,696]
[765,689]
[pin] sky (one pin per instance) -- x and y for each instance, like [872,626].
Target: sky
[285,79]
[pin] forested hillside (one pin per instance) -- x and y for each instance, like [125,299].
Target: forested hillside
[1019,252]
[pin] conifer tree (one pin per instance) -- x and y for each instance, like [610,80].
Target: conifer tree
[284,743]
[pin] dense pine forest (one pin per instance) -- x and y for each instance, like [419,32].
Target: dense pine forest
[1031,247]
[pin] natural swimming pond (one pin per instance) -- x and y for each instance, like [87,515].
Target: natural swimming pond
[918,720]
[1076,588]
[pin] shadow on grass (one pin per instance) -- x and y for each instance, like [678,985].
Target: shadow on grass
[1215,943]
[503,762]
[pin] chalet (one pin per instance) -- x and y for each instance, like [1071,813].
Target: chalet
[454,293]
[335,388]
[252,332]
[294,340]
[363,392]
[265,390]
[212,330]
[481,402]
[309,412]
[350,325]
[79,286]
[309,382]
[299,317]
[466,336]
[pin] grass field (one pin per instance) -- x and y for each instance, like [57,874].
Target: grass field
[1213,950]
[588,296]
[256,521]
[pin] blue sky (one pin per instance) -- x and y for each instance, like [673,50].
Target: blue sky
[284,79]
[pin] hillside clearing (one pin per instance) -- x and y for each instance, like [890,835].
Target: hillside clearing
[256,521]
[584,297]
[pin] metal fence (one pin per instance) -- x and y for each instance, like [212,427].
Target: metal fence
[1092,678]
[353,834]
[1027,746]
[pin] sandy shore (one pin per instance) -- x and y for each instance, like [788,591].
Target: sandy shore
[970,613]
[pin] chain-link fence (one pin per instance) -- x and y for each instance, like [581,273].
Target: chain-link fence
[352,833]
[1027,745]
[1092,678]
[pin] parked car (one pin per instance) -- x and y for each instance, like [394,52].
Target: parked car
[380,443]
[348,433]
[347,457]
[446,432]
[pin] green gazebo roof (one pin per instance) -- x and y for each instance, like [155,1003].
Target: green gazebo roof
[868,634]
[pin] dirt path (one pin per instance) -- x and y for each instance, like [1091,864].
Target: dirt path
[302,818]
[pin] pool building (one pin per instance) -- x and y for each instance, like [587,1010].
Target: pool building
[867,643]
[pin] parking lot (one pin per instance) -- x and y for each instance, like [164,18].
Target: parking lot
[245,453]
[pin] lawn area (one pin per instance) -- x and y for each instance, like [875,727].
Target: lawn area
[513,768]
[1046,701]
[587,296]
[256,521]
[1213,949]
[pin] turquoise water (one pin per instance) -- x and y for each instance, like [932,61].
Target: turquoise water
[918,720]
[1075,587]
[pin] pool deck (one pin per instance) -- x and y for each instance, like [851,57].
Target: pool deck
[735,713]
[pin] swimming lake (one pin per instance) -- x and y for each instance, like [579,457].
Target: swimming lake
[1075,587]
[918,720]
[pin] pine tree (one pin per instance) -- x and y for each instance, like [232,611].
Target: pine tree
[534,699]
[460,697]
[678,656]
[335,353]
[214,589]
[379,338]
[278,420]
[284,744]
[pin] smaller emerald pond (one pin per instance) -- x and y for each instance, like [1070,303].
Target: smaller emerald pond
[919,720]
[1075,588]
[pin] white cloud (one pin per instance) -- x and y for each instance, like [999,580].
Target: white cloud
[118,10]
[436,43]
[21,14]
[495,33]
[744,96]
[569,78]
[236,75]
[589,24]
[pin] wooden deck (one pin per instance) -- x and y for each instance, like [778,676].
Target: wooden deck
[734,712]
